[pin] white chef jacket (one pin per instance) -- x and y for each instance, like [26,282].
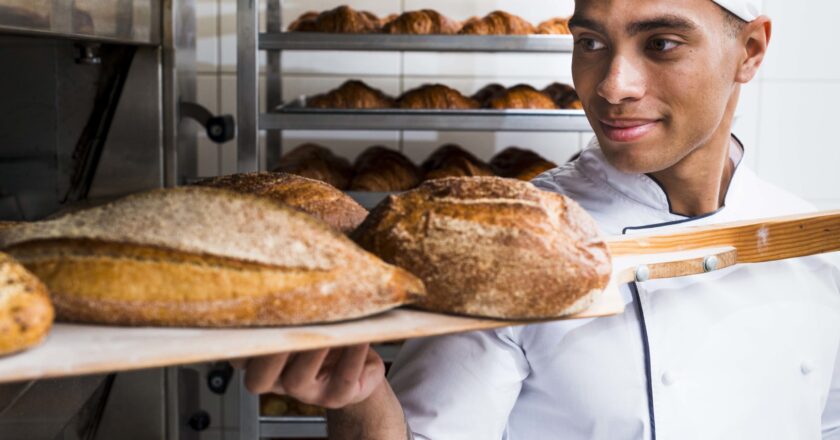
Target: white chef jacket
[747,352]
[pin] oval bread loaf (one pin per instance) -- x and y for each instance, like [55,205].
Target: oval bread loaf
[26,313]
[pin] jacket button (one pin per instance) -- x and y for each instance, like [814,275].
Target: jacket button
[806,368]
[668,378]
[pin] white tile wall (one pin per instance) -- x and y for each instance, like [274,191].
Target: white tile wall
[785,116]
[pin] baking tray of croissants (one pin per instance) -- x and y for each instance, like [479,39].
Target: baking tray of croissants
[257,263]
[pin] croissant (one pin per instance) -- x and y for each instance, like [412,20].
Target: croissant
[563,95]
[382,169]
[453,161]
[317,162]
[498,23]
[435,96]
[488,93]
[557,25]
[352,94]
[522,97]
[422,22]
[521,164]
[342,19]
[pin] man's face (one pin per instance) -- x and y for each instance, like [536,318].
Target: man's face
[654,76]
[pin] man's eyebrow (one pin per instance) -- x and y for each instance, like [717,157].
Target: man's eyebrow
[662,22]
[580,21]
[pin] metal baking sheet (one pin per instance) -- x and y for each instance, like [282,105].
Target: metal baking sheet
[417,43]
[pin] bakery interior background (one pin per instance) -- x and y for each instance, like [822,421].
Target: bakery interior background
[787,116]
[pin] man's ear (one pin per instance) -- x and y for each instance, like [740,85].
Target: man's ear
[755,37]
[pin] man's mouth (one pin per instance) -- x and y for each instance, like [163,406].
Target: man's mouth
[627,129]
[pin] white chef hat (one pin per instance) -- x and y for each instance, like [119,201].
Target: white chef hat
[747,10]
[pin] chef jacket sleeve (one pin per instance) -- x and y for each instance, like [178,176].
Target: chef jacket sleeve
[831,413]
[460,386]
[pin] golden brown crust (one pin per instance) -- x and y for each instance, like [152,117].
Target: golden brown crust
[522,96]
[26,313]
[488,93]
[453,161]
[436,96]
[313,197]
[342,19]
[422,22]
[563,95]
[498,23]
[554,26]
[381,169]
[517,163]
[352,94]
[317,162]
[491,247]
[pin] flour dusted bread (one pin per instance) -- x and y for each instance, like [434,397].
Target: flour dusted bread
[313,197]
[198,256]
[490,246]
[26,313]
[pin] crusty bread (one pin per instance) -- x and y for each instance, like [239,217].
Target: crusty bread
[313,197]
[563,95]
[522,96]
[521,164]
[498,23]
[317,162]
[342,19]
[422,22]
[26,313]
[207,257]
[491,247]
[436,96]
[353,94]
[381,169]
[453,161]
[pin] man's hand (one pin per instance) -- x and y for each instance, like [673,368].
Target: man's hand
[330,378]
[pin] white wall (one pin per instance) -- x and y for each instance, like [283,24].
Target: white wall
[785,117]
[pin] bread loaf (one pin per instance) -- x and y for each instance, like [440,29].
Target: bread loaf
[522,96]
[313,197]
[435,96]
[563,95]
[317,162]
[520,164]
[554,26]
[422,22]
[488,93]
[492,247]
[26,313]
[352,94]
[342,19]
[498,23]
[453,161]
[381,169]
[205,257]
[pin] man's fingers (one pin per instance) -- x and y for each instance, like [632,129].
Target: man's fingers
[299,377]
[344,378]
[372,376]
[261,373]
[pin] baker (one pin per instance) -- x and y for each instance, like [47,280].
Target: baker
[748,352]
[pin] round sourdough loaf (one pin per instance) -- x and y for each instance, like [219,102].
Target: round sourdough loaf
[492,247]
[311,196]
[207,257]
[26,313]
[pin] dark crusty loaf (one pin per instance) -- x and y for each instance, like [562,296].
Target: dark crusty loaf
[313,197]
[436,96]
[498,23]
[342,19]
[522,96]
[422,22]
[207,257]
[491,247]
[381,169]
[353,94]
[521,164]
[317,162]
[26,313]
[563,95]
[453,161]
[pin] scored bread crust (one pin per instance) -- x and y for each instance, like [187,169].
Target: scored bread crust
[493,247]
[204,257]
[26,313]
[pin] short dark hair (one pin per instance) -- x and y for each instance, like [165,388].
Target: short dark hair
[733,24]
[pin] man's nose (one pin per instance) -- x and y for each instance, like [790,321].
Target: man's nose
[623,82]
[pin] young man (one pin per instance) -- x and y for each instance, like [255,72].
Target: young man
[749,352]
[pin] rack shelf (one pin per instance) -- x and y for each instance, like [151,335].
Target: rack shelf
[415,43]
[293,427]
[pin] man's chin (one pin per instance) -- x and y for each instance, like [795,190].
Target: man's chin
[630,158]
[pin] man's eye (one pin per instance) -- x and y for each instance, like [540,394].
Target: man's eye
[662,45]
[590,44]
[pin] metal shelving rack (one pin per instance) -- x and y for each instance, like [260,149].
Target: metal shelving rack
[250,42]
